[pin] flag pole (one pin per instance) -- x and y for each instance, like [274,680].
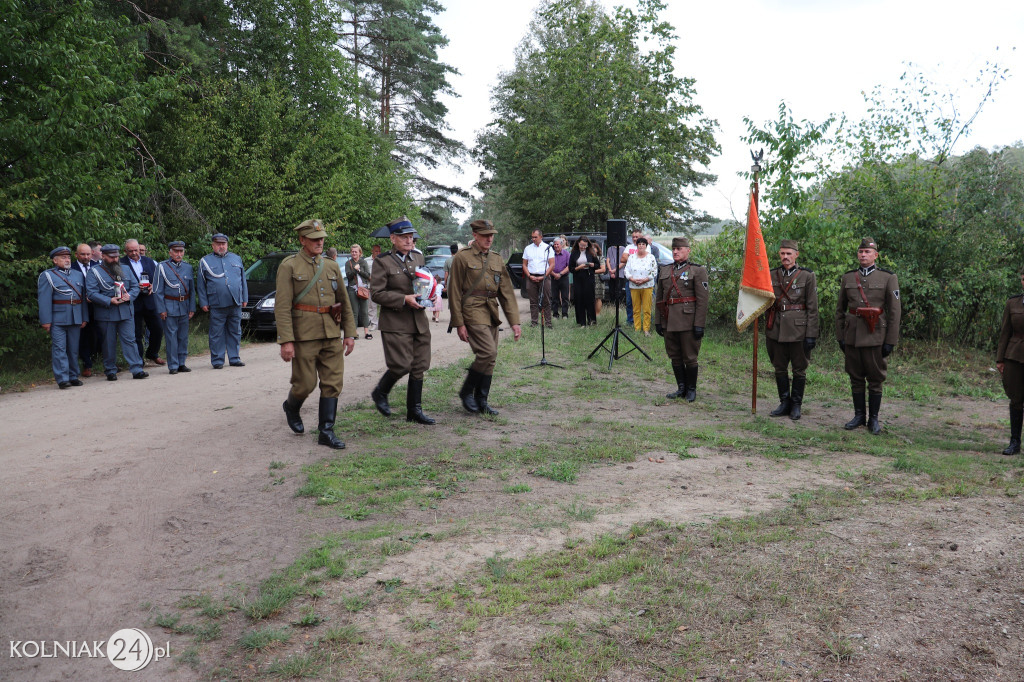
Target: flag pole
[756,170]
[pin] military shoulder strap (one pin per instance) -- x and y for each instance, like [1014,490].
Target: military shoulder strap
[316,278]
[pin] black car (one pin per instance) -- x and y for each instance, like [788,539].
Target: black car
[261,278]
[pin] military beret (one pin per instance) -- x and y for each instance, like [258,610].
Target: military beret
[60,251]
[402,226]
[219,237]
[680,241]
[868,243]
[789,244]
[110,248]
[311,229]
[483,227]
[176,245]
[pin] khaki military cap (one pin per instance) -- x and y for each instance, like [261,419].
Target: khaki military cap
[789,244]
[868,243]
[680,241]
[311,229]
[483,227]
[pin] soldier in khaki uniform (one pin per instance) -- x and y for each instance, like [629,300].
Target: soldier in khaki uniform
[404,328]
[1010,363]
[478,280]
[792,327]
[681,309]
[311,308]
[868,328]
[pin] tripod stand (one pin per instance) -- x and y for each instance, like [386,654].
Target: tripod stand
[616,332]
[542,301]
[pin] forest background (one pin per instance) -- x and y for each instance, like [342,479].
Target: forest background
[168,120]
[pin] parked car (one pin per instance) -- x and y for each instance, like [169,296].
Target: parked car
[437,250]
[261,279]
[435,264]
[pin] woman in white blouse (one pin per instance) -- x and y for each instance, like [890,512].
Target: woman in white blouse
[642,272]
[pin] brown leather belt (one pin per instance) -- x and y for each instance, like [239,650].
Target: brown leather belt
[686,299]
[792,306]
[483,293]
[175,298]
[312,308]
[68,302]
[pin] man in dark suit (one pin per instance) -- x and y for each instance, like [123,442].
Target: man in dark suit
[143,270]
[88,343]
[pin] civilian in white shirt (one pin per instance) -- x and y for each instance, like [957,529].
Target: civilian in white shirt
[538,261]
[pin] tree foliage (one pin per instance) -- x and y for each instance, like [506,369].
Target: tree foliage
[593,123]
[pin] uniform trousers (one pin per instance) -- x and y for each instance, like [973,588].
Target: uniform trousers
[483,339]
[123,331]
[225,333]
[560,295]
[323,358]
[533,290]
[406,353]
[682,348]
[176,334]
[784,353]
[866,364]
[63,349]
[1013,383]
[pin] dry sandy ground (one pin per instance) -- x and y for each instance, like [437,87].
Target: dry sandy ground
[118,495]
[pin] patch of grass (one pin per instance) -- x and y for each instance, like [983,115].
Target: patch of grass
[301,665]
[309,618]
[264,638]
[516,489]
[578,511]
[563,472]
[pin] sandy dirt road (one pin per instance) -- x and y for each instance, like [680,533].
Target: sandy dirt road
[119,494]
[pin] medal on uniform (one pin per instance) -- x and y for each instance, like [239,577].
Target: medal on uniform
[684,275]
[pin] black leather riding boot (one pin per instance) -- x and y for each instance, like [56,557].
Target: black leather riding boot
[785,405]
[680,373]
[291,414]
[1016,419]
[874,403]
[328,413]
[468,389]
[413,406]
[691,383]
[380,393]
[796,398]
[483,387]
[858,413]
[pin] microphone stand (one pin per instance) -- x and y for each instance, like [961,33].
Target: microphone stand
[543,301]
[614,334]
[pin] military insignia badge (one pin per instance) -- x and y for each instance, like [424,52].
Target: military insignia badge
[497,279]
[684,275]
[705,285]
[896,294]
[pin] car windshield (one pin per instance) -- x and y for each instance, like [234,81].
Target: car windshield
[263,270]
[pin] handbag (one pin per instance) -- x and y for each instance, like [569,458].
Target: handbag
[362,292]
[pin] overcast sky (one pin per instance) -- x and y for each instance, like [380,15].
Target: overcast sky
[747,55]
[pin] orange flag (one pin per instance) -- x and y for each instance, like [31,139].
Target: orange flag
[756,293]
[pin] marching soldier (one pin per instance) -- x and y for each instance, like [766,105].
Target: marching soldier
[404,328]
[175,304]
[112,296]
[680,314]
[311,308]
[63,313]
[792,328]
[222,293]
[1010,363]
[478,280]
[868,328]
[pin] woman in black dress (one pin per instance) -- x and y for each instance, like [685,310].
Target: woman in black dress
[582,264]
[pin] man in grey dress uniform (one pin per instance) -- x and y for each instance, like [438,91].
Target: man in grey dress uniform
[112,294]
[174,291]
[222,293]
[63,313]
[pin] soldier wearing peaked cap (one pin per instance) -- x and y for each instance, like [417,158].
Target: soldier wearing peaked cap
[63,313]
[311,309]
[403,324]
[478,280]
[223,293]
[868,328]
[175,295]
[112,295]
[791,328]
[680,313]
